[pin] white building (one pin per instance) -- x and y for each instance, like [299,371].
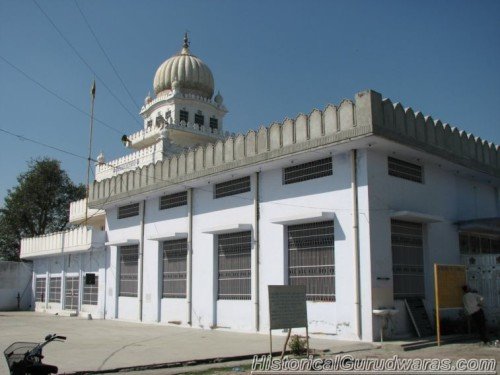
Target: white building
[357,202]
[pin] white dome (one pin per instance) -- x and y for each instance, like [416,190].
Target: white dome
[192,74]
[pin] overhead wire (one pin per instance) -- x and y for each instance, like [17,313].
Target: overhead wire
[23,138]
[106,55]
[85,62]
[53,93]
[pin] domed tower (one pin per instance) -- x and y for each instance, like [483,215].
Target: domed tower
[184,108]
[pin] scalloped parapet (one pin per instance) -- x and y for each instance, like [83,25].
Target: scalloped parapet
[412,128]
[367,115]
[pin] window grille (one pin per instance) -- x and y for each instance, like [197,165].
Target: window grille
[407,259]
[199,119]
[55,289]
[173,200]
[234,266]
[91,292]
[71,293]
[159,120]
[168,114]
[128,211]
[479,244]
[214,124]
[311,259]
[240,185]
[129,260]
[183,116]
[41,285]
[307,171]
[403,169]
[150,123]
[174,268]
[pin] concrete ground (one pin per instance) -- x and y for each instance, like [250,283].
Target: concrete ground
[107,344]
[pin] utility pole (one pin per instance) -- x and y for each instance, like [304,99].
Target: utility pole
[92,94]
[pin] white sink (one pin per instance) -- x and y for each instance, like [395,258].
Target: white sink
[385,312]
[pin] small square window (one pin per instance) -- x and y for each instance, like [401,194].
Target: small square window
[128,211]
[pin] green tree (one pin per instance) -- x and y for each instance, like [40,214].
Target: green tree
[38,205]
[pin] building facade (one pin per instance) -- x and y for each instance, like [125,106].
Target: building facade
[357,202]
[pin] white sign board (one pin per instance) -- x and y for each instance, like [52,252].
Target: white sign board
[287,306]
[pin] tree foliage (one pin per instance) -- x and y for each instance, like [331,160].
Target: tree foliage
[38,205]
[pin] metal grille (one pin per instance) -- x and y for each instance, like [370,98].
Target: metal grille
[174,268]
[71,293]
[311,259]
[41,285]
[240,185]
[91,293]
[403,169]
[128,211]
[307,171]
[129,260]
[173,200]
[199,119]
[214,123]
[479,244]
[183,115]
[234,265]
[55,289]
[407,259]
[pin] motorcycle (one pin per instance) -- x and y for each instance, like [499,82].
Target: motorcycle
[26,357]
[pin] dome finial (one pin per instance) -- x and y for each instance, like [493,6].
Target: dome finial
[186,40]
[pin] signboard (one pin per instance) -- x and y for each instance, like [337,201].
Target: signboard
[450,279]
[287,306]
[287,310]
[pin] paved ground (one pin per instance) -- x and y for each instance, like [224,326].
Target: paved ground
[99,344]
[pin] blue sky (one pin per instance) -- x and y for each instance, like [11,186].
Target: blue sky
[270,60]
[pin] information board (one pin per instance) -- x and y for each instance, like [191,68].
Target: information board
[287,306]
[450,279]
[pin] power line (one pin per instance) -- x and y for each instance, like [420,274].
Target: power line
[106,55]
[23,138]
[53,93]
[85,62]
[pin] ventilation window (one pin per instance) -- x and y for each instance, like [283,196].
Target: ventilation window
[128,211]
[311,259]
[240,185]
[199,119]
[173,200]
[307,171]
[183,116]
[234,266]
[403,169]
[214,124]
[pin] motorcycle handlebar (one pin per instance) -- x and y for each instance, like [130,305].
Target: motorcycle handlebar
[60,337]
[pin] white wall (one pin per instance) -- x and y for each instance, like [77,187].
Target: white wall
[15,278]
[75,264]
[443,193]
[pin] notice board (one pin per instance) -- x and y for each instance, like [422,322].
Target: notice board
[449,280]
[287,306]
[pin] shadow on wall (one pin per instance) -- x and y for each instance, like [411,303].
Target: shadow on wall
[15,278]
